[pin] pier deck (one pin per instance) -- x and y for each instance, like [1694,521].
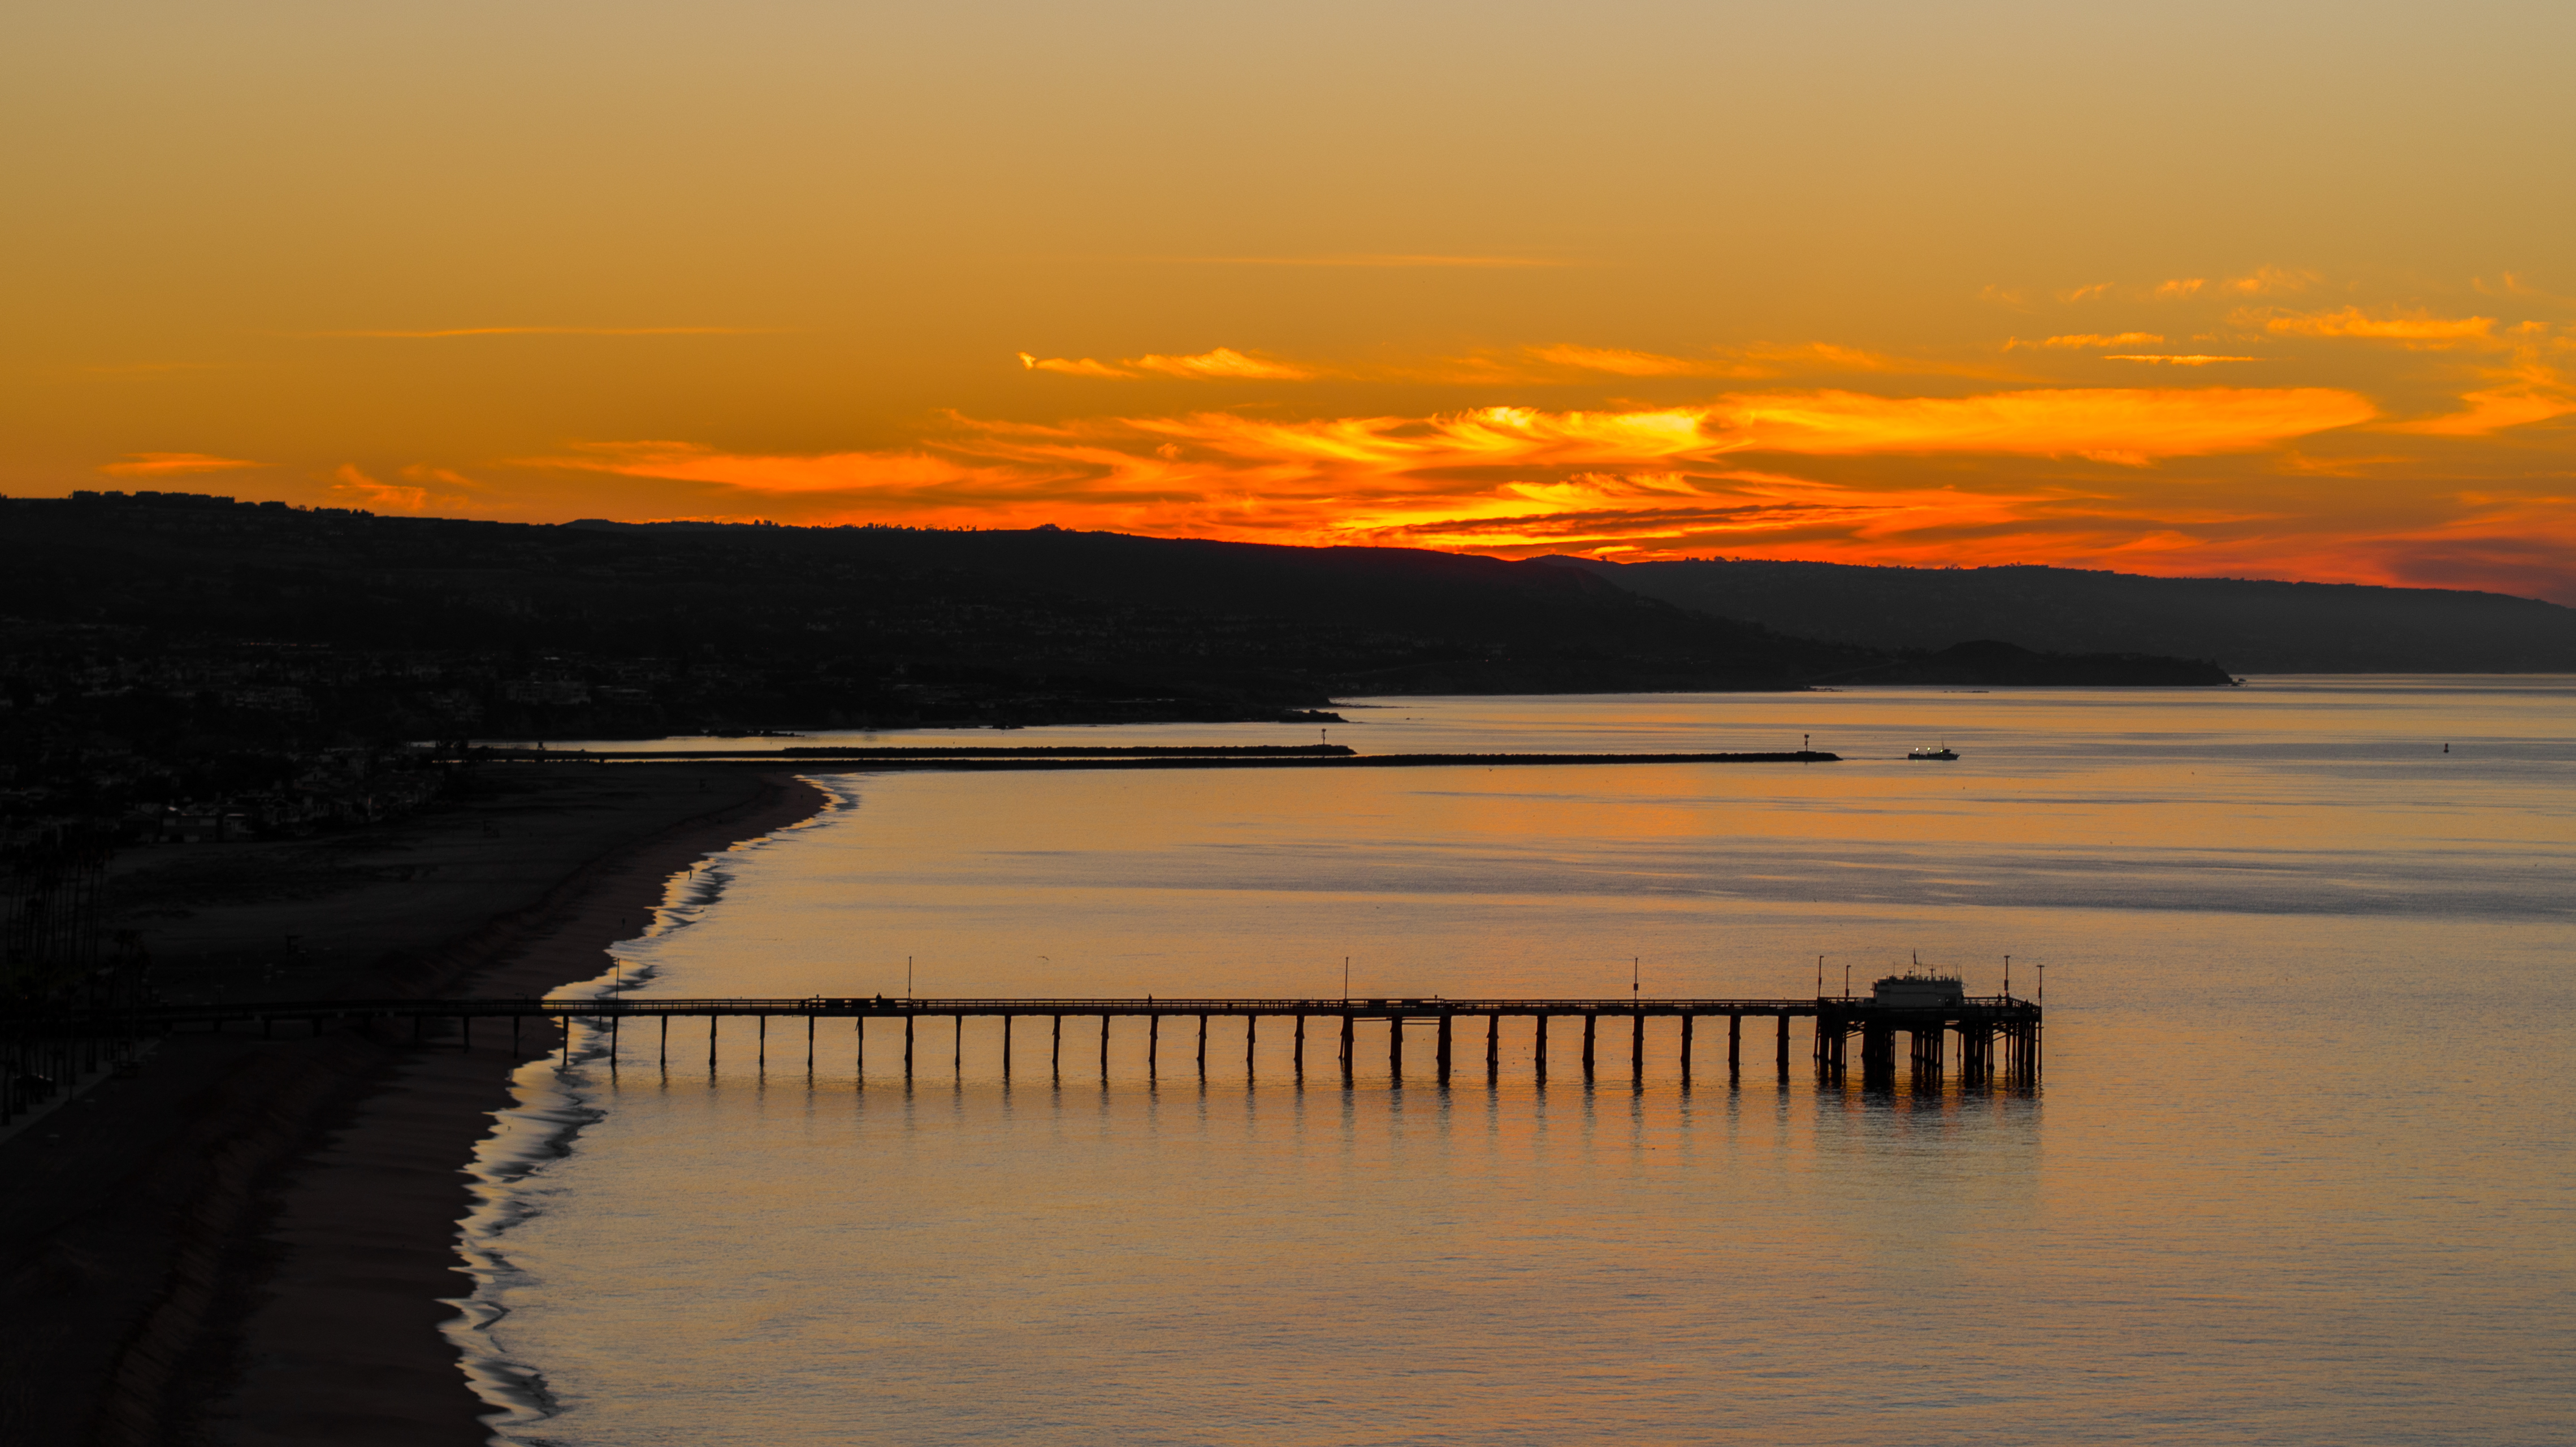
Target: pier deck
[1999,1036]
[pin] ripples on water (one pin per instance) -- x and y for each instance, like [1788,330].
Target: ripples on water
[2299,1172]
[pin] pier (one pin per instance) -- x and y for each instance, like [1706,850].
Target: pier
[1998,1036]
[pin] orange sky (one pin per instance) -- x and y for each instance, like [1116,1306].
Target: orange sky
[2264,290]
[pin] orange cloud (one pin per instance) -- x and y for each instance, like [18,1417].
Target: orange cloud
[2537,397]
[2417,328]
[892,474]
[1624,363]
[1990,477]
[2112,423]
[2091,339]
[2182,287]
[2193,359]
[1222,364]
[357,487]
[1488,471]
[1086,367]
[172,464]
[2273,281]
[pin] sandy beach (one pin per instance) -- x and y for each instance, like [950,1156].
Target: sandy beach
[247,1243]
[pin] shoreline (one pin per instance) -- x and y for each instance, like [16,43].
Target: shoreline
[345,1341]
[249,1241]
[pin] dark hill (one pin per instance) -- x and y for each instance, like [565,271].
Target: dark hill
[2250,626]
[608,628]
[166,647]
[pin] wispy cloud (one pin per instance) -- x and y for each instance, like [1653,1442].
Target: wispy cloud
[352,484]
[2109,423]
[173,464]
[2179,288]
[2414,328]
[2509,284]
[889,475]
[2090,339]
[2273,281]
[444,332]
[2194,359]
[1231,475]
[2085,293]
[1618,361]
[1222,364]
[1071,367]
[2527,394]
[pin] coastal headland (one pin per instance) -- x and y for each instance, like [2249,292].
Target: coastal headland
[247,1241]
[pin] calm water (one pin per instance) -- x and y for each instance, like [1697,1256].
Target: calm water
[2300,1172]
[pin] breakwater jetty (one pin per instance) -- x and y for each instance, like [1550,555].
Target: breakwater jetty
[1999,1036]
[963,759]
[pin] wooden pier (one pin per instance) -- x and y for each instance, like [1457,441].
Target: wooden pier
[1999,1036]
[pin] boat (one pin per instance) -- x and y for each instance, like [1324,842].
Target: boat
[1943,752]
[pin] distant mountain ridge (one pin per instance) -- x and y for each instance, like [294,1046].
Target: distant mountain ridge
[2251,626]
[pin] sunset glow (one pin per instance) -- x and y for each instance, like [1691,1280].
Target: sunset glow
[750,277]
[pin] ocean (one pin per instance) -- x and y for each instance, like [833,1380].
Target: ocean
[2299,1170]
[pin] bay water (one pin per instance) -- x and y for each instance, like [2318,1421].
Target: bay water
[2299,1171]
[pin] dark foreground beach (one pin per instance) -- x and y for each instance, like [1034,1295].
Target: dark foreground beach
[247,1243]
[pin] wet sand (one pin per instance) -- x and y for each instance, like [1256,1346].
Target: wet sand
[248,1242]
